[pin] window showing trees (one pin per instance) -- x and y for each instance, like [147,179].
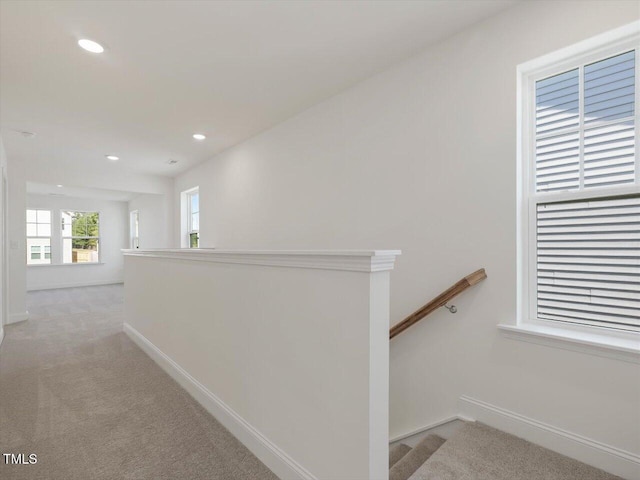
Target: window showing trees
[80,237]
[190,218]
[38,237]
[193,205]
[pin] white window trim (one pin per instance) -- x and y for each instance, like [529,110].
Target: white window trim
[185,201]
[132,237]
[190,229]
[41,253]
[599,341]
[56,240]
[50,265]
[39,237]
[62,238]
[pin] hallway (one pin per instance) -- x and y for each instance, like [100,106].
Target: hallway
[89,403]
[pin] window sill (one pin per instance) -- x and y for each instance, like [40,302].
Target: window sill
[625,347]
[64,264]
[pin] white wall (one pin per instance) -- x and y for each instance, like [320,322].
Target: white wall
[16,227]
[3,240]
[288,350]
[422,158]
[154,227]
[114,235]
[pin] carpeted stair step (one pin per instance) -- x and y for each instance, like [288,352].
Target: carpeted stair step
[412,460]
[480,452]
[397,452]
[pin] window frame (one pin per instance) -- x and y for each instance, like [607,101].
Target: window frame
[63,237]
[41,256]
[187,227]
[577,56]
[32,253]
[134,229]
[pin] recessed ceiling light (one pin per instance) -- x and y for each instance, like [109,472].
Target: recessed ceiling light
[199,136]
[91,46]
[59,186]
[112,157]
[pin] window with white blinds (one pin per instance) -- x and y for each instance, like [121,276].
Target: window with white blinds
[584,195]
[585,126]
[588,262]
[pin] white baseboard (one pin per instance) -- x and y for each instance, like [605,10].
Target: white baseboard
[432,428]
[606,457]
[17,317]
[55,286]
[278,461]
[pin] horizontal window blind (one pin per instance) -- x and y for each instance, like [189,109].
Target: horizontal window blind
[558,162]
[557,102]
[588,262]
[582,228]
[558,138]
[609,88]
[609,157]
[585,126]
[609,95]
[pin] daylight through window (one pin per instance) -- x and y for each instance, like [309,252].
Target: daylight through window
[38,237]
[193,218]
[583,200]
[80,237]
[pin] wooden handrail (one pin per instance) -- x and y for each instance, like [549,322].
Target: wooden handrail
[439,301]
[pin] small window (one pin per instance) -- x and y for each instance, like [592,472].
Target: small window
[134,229]
[38,237]
[191,222]
[581,197]
[80,237]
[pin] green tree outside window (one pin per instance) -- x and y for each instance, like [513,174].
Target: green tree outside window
[85,225]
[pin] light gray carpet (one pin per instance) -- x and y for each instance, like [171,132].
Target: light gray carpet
[397,452]
[415,458]
[479,452]
[78,393]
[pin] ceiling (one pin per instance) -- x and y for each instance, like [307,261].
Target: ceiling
[36,188]
[173,68]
